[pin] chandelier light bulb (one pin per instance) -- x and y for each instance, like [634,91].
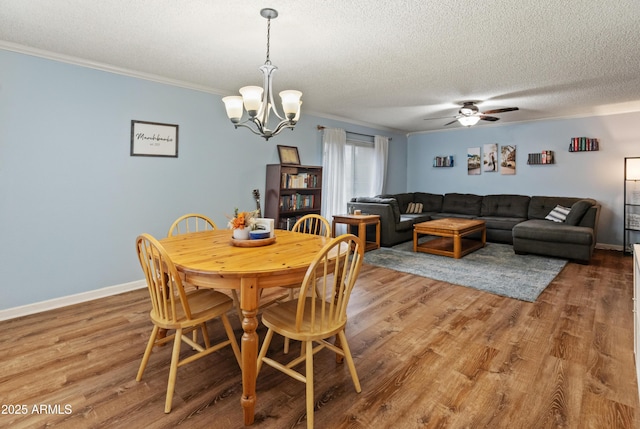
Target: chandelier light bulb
[290,102]
[233,104]
[252,98]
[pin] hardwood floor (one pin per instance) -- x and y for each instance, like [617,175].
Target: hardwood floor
[429,355]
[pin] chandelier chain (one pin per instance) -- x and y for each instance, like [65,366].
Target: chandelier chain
[268,61]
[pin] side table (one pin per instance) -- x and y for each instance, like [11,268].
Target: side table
[361,221]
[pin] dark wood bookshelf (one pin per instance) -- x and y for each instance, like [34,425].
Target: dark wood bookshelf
[292,191]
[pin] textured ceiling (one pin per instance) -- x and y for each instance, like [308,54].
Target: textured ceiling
[386,63]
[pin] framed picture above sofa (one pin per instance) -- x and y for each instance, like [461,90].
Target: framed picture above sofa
[490,161]
[473,161]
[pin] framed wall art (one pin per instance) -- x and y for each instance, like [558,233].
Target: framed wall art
[288,155]
[473,161]
[154,139]
[490,161]
[508,159]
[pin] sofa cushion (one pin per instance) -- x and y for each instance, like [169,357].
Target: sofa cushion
[558,214]
[408,220]
[539,207]
[430,202]
[505,205]
[578,210]
[501,223]
[555,232]
[403,199]
[443,215]
[378,200]
[469,204]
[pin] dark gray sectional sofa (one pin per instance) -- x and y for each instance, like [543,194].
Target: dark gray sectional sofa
[514,219]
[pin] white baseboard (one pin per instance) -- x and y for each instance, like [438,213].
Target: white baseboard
[51,304]
[609,246]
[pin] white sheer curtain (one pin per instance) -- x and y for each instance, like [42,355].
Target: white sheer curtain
[334,197]
[379,170]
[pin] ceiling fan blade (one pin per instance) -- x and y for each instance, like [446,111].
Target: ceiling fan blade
[443,117]
[506,109]
[489,118]
[452,122]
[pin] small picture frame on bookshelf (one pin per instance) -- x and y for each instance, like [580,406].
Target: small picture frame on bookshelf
[288,155]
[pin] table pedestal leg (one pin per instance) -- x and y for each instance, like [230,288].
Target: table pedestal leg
[249,306]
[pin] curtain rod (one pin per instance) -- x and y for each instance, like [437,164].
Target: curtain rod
[321,127]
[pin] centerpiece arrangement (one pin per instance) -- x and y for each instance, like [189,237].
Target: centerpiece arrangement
[242,223]
[249,230]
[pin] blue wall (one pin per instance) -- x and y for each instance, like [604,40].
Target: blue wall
[73,200]
[597,175]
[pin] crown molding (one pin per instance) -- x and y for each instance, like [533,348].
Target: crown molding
[27,50]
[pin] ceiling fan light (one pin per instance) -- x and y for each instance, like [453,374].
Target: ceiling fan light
[468,121]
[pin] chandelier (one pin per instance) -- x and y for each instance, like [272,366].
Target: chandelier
[258,102]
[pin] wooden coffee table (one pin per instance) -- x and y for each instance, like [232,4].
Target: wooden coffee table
[452,233]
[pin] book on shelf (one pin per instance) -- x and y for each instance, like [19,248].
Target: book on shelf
[544,157]
[300,180]
[583,144]
[549,156]
[288,222]
[443,161]
[297,202]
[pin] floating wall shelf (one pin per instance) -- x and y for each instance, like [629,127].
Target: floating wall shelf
[543,158]
[583,144]
[443,161]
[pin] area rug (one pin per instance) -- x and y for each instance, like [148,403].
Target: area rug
[495,268]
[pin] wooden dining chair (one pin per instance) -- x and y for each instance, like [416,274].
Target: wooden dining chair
[173,309]
[307,224]
[313,318]
[313,224]
[192,222]
[196,222]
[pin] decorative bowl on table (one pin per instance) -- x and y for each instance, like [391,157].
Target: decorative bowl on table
[259,234]
[258,242]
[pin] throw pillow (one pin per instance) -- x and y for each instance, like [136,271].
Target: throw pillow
[414,208]
[578,210]
[558,214]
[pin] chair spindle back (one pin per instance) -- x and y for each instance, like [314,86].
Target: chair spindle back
[167,294]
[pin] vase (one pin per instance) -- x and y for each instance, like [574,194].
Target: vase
[241,234]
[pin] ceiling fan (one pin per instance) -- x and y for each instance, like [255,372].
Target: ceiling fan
[469,114]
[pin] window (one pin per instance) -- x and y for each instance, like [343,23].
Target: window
[358,159]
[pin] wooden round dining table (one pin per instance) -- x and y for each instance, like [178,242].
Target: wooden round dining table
[210,259]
